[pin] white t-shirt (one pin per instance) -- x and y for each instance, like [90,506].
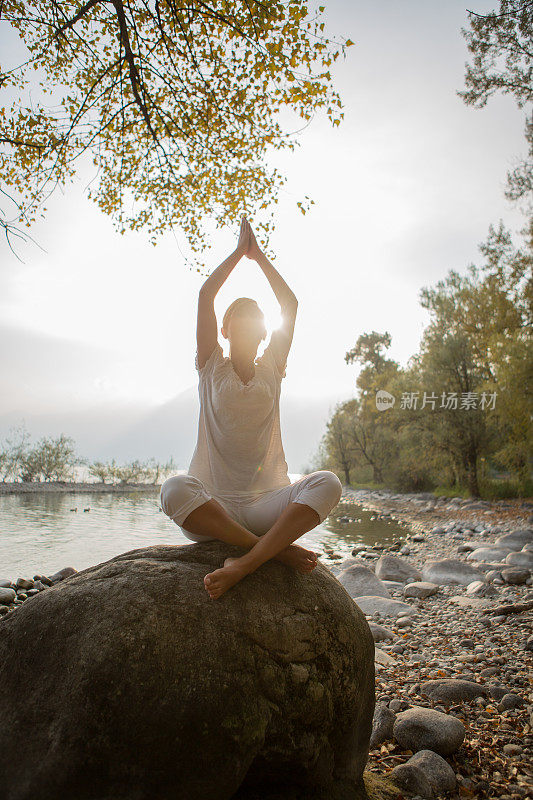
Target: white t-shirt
[239,453]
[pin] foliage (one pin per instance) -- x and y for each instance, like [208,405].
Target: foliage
[150,471]
[50,460]
[55,460]
[176,105]
[502,48]
[491,308]
[464,397]
[13,452]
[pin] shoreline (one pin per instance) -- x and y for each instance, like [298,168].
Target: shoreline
[67,487]
[378,497]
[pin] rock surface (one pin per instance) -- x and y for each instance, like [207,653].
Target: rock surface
[370,604]
[126,680]
[392,568]
[359,581]
[450,571]
[421,728]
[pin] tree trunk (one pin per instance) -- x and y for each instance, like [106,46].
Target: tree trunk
[471,474]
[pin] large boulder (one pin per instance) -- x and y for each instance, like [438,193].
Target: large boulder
[126,680]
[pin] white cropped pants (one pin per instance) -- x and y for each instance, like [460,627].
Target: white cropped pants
[181,494]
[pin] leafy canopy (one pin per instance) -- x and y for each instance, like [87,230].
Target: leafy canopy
[501,44]
[176,104]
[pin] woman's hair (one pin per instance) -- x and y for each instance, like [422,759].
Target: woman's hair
[239,303]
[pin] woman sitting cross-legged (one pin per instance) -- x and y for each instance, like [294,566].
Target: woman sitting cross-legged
[237,488]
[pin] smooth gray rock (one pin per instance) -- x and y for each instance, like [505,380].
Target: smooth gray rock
[469,547]
[24,583]
[481,589]
[382,725]
[515,575]
[520,559]
[451,690]
[7,595]
[360,581]
[380,632]
[66,572]
[422,728]
[516,539]
[410,778]
[420,589]
[439,773]
[383,658]
[510,700]
[392,568]
[369,604]
[450,571]
[393,586]
[488,554]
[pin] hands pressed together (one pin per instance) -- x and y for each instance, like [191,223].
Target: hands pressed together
[247,244]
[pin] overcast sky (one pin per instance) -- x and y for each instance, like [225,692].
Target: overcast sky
[404,189]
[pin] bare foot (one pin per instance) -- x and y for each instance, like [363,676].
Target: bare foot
[220,580]
[298,557]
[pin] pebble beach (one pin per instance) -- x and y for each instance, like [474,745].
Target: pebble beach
[454,694]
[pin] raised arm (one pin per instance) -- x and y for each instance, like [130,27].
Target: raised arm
[281,338]
[206,323]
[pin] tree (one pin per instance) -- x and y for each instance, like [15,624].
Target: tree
[132,472]
[479,340]
[337,441]
[502,49]
[458,421]
[51,459]
[176,105]
[14,451]
[371,439]
[100,470]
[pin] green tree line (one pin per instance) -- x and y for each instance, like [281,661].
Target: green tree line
[462,407]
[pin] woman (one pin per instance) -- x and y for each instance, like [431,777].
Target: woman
[237,488]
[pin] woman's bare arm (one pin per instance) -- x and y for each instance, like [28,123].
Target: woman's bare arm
[206,323]
[281,338]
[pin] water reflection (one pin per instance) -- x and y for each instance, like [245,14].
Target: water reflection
[40,533]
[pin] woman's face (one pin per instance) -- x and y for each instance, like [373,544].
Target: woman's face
[246,327]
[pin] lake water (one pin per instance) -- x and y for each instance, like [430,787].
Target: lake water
[40,534]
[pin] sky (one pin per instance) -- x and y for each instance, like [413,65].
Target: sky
[99,326]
